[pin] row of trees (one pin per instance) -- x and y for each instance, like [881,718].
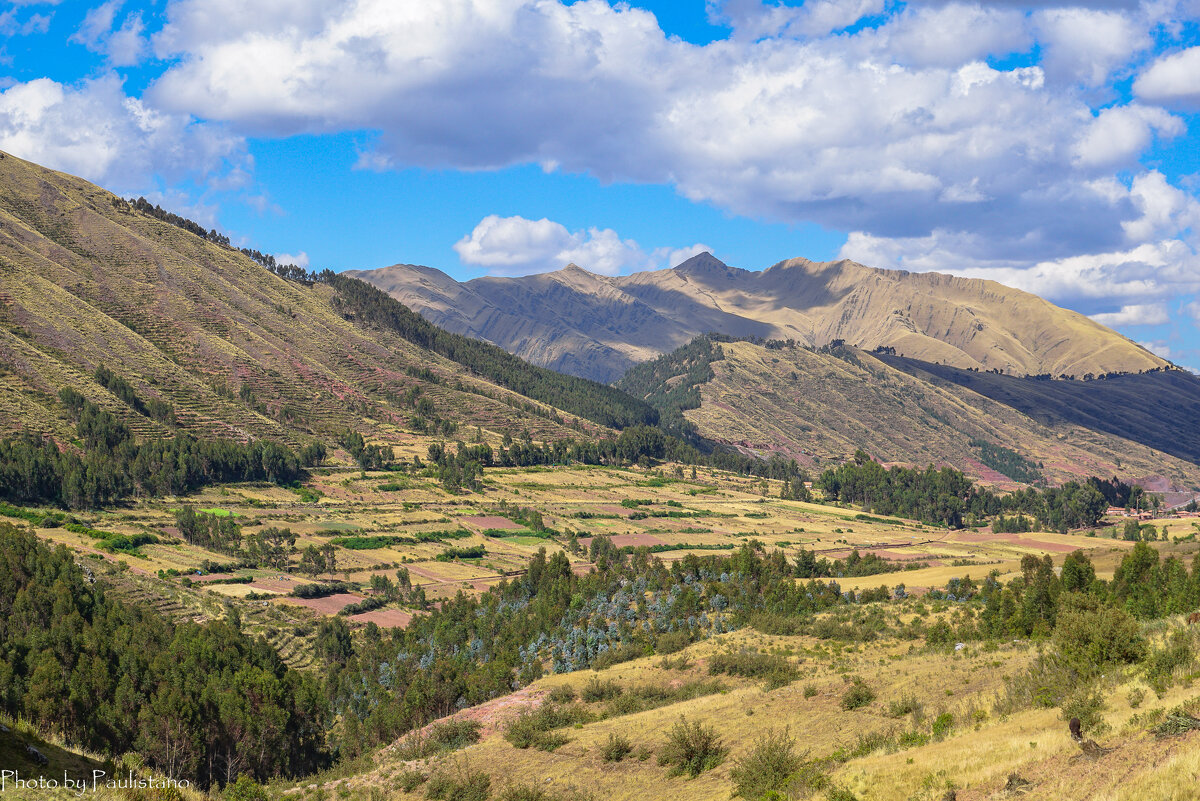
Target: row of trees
[270,547]
[947,497]
[114,465]
[855,565]
[1144,586]
[476,648]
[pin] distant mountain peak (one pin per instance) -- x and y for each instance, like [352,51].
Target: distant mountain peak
[705,264]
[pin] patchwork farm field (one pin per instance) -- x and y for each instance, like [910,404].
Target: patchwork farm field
[376,523]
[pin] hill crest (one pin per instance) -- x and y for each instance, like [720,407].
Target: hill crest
[599,326]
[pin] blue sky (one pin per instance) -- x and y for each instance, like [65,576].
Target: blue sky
[1050,146]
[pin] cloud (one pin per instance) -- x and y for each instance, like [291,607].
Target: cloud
[1120,134]
[11,25]
[300,259]
[519,246]
[1135,314]
[95,131]
[1148,272]
[754,19]
[1087,45]
[124,46]
[1172,80]
[892,130]
[1159,348]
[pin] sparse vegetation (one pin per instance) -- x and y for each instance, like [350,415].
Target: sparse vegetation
[691,748]
[857,695]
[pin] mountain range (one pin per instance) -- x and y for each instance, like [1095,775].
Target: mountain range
[599,326]
[814,360]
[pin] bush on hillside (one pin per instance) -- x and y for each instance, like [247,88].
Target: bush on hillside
[692,748]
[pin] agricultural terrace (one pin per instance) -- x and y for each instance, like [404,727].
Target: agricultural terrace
[371,526]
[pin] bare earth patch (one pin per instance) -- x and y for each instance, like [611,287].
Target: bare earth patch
[329,605]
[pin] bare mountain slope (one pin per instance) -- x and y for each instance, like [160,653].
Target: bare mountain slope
[819,406]
[598,326]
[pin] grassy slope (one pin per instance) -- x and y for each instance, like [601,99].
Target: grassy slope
[976,757]
[821,408]
[85,282]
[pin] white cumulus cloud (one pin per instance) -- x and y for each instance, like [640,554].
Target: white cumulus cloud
[1134,314]
[1172,80]
[903,131]
[519,246]
[96,131]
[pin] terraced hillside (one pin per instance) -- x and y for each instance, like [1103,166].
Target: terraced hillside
[87,280]
[599,326]
[821,405]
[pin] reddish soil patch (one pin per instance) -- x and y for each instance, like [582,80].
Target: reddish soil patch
[621,540]
[986,473]
[329,605]
[495,714]
[210,577]
[274,585]
[613,509]
[385,618]
[491,522]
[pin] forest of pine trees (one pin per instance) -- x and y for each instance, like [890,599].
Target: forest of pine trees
[113,465]
[947,497]
[199,702]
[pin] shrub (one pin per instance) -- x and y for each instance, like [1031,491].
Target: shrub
[615,748]
[857,695]
[652,696]
[245,789]
[672,641]
[530,728]
[767,767]
[1163,662]
[454,734]
[903,706]
[1046,683]
[465,785]
[680,662]
[550,741]
[411,780]
[562,694]
[748,664]
[691,748]
[524,792]
[597,690]
[1087,704]
[810,690]
[942,725]
[1091,636]
[617,655]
